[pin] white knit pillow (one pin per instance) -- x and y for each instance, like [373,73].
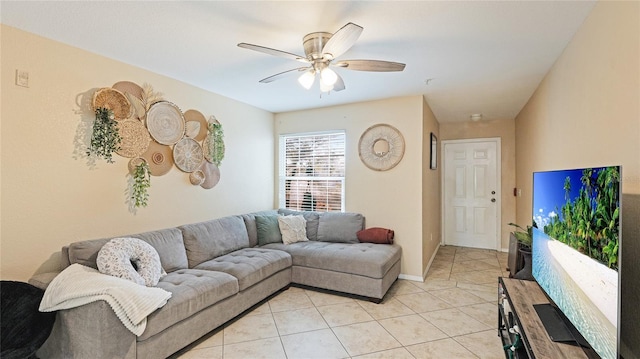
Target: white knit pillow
[293,229]
[119,256]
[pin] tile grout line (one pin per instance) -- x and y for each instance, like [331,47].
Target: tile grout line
[406,288]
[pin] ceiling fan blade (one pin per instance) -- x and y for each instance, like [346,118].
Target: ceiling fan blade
[370,65]
[283,74]
[342,40]
[339,85]
[274,52]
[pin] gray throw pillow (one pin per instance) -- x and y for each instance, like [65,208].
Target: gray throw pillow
[268,230]
[340,227]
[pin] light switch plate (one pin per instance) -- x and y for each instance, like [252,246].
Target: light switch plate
[22,78]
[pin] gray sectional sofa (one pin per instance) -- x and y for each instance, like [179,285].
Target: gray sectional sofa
[216,270]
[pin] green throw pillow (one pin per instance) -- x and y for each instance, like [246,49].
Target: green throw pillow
[268,230]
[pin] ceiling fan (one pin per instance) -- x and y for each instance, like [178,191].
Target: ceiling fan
[321,49]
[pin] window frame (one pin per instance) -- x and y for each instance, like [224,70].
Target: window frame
[282,166]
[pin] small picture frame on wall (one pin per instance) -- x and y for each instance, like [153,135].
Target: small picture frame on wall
[434,152]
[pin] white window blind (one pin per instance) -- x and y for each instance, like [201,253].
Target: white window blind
[312,169]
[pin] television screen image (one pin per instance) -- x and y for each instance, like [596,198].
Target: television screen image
[575,249]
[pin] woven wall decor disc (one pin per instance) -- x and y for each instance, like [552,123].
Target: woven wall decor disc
[133,163]
[128,87]
[188,155]
[159,157]
[192,128]
[196,177]
[165,123]
[135,138]
[197,116]
[211,175]
[381,147]
[113,100]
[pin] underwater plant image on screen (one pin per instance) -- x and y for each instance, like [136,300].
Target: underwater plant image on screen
[575,249]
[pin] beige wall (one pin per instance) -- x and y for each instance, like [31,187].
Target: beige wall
[431,190]
[50,197]
[389,199]
[586,111]
[505,130]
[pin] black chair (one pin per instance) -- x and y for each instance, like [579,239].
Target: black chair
[22,327]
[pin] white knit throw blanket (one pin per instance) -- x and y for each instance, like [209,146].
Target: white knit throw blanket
[79,285]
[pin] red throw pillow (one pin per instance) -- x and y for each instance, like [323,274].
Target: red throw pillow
[376,235]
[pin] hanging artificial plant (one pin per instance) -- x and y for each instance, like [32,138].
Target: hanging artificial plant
[216,143]
[105,138]
[141,183]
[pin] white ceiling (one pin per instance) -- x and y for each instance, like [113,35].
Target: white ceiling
[482,56]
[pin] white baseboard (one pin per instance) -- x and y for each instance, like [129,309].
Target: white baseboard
[426,270]
[414,278]
[506,250]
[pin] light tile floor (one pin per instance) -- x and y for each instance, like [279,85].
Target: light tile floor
[452,314]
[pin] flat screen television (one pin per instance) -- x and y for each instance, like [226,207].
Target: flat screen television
[576,254]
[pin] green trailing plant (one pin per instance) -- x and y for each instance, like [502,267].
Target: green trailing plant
[216,143]
[141,184]
[524,236]
[105,139]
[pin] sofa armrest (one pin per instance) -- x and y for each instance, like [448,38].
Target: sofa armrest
[42,280]
[89,331]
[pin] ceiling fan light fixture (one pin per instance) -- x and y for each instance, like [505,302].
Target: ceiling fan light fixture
[325,87]
[307,79]
[328,77]
[321,49]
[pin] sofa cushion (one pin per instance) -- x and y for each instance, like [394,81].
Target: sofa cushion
[167,242]
[312,218]
[192,290]
[268,230]
[210,239]
[249,265]
[250,223]
[365,259]
[340,227]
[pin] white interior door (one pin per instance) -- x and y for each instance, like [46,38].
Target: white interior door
[471,198]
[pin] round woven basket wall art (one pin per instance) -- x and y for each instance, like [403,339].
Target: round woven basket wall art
[159,157]
[135,138]
[188,155]
[381,147]
[192,117]
[128,87]
[211,175]
[165,123]
[113,100]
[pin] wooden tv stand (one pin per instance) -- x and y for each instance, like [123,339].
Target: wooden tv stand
[520,296]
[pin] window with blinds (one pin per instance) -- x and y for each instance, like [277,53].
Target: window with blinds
[312,169]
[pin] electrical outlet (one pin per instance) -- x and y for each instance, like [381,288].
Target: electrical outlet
[22,78]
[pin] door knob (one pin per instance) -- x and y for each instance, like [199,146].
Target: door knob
[493,199]
[493,192]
